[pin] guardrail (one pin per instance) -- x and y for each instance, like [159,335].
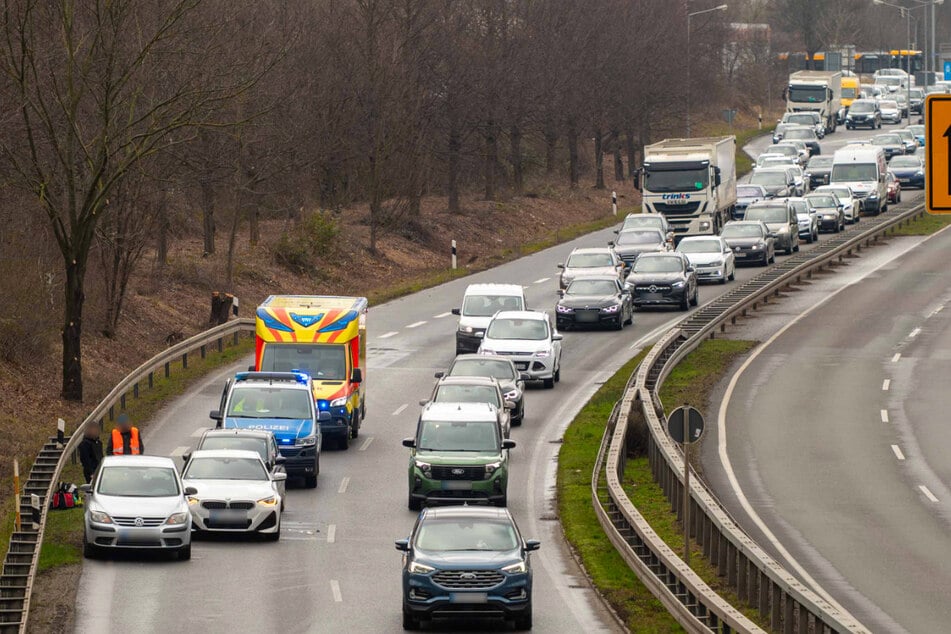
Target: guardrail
[16,582]
[753,574]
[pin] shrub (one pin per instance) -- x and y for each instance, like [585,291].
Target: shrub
[28,315]
[315,237]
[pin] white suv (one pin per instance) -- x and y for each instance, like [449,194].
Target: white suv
[529,340]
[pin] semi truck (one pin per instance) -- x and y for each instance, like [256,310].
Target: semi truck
[817,91]
[324,337]
[692,182]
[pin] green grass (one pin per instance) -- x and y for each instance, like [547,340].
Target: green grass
[695,377]
[923,225]
[631,600]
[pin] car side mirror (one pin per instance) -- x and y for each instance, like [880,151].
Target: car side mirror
[186,457]
[561,292]
[561,265]
[455,311]
[557,337]
[532,544]
[279,460]
[191,491]
[356,375]
[279,477]
[409,443]
[508,444]
[524,376]
[402,545]
[423,402]
[214,414]
[689,269]
[770,235]
[439,374]
[323,417]
[509,405]
[611,243]
[637,180]
[250,368]
[85,488]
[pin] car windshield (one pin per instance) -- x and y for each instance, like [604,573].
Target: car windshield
[916,129]
[888,105]
[589,260]
[821,201]
[677,180]
[904,161]
[741,231]
[852,172]
[840,192]
[699,246]
[884,80]
[467,394]
[848,93]
[801,119]
[767,214]
[748,192]
[460,534]
[592,287]
[820,161]
[458,436]
[270,402]
[807,94]
[862,107]
[773,161]
[494,368]
[658,265]
[137,482]
[225,468]
[800,207]
[785,150]
[488,305]
[321,361]
[801,134]
[511,328]
[635,236]
[768,178]
[644,220]
[258,445]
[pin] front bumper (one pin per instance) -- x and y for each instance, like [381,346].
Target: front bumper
[468,342]
[911,181]
[583,317]
[746,254]
[661,295]
[432,491]
[257,519]
[864,121]
[870,204]
[301,460]
[828,222]
[161,537]
[424,598]
[710,273]
[805,230]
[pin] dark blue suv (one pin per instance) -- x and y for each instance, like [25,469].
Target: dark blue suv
[466,561]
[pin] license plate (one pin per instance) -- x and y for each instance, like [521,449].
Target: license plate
[229,516]
[740,254]
[457,485]
[521,365]
[904,180]
[586,316]
[469,597]
[677,201]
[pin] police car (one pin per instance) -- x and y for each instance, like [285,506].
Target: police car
[283,404]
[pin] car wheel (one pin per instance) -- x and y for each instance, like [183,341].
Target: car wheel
[524,622]
[898,198]
[733,275]
[414,504]
[343,443]
[815,234]
[310,481]
[772,260]
[184,553]
[355,424]
[410,622]
[685,302]
[789,249]
[557,375]
[796,248]
[90,551]
[696,297]
[548,383]
[619,323]
[630,317]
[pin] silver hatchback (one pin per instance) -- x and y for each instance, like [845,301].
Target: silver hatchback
[137,503]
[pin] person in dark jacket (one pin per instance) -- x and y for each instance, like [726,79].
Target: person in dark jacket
[90,451]
[125,439]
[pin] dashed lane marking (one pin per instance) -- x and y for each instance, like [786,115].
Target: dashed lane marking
[896,357]
[178,451]
[366,443]
[416,324]
[387,335]
[927,492]
[399,410]
[886,384]
[335,588]
[914,333]
[441,315]
[344,484]
[541,281]
[331,533]
[897,451]
[884,415]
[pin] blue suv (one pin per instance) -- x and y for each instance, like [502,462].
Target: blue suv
[281,403]
[469,562]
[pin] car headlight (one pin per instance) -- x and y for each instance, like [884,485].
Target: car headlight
[716,263]
[704,225]
[425,467]
[192,500]
[486,351]
[99,517]
[756,247]
[541,354]
[611,309]
[466,329]
[511,396]
[515,569]
[563,309]
[177,518]
[492,467]
[339,402]
[305,442]
[873,195]
[679,284]
[271,500]
[919,173]
[417,568]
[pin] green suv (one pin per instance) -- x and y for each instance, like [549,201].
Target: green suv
[459,455]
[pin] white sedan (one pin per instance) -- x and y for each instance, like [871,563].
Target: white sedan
[234,493]
[710,256]
[852,206]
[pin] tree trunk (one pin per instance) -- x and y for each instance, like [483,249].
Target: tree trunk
[573,167]
[253,227]
[491,159]
[73,328]
[631,153]
[232,240]
[551,146]
[208,216]
[598,159]
[455,149]
[161,248]
[618,158]
[518,174]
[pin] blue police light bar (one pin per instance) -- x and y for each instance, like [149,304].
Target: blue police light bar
[296,376]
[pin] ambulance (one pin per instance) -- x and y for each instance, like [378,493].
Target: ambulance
[324,337]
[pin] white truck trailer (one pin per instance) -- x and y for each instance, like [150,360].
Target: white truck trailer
[692,182]
[816,91]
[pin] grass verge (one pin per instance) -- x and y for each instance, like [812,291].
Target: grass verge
[631,600]
[923,225]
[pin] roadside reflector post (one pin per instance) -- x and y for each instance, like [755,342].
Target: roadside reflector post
[453,251]
[614,203]
[685,426]
[35,510]
[16,494]
[60,433]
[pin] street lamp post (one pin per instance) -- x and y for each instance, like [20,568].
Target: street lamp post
[905,13]
[722,7]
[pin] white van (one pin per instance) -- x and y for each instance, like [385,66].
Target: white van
[862,168]
[479,303]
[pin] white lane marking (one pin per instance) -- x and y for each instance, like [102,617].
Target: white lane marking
[927,492]
[896,357]
[441,315]
[389,334]
[399,410]
[914,333]
[416,324]
[935,311]
[331,533]
[335,588]
[344,484]
[198,432]
[886,384]
[366,443]
[178,451]
[541,280]
[897,451]
[884,415]
[723,450]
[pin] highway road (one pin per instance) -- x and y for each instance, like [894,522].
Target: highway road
[335,568]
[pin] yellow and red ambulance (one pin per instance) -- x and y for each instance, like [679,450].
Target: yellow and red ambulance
[325,337]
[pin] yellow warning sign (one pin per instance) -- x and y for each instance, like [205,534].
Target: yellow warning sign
[938,154]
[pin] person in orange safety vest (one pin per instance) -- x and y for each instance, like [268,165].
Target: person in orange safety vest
[125,439]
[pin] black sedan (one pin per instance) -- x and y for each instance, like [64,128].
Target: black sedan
[595,301]
[511,379]
[663,279]
[909,170]
[818,171]
[807,135]
[751,241]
